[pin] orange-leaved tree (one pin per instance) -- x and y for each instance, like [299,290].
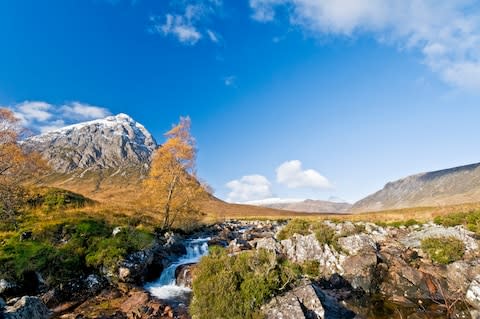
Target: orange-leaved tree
[16,166]
[172,187]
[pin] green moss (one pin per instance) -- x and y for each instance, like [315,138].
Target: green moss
[443,250]
[236,286]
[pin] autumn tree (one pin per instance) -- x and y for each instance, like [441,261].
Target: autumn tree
[16,166]
[172,186]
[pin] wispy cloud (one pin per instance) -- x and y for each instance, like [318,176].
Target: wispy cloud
[249,188]
[446,33]
[188,23]
[292,175]
[230,80]
[41,117]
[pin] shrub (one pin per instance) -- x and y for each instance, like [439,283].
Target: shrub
[443,250]
[324,234]
[470,220]
[295,226]
[236,286]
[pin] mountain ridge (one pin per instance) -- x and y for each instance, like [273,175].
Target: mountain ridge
[456,185]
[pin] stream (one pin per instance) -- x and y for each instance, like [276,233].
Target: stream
[166,288]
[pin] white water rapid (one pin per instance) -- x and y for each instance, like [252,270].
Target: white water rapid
[165,287]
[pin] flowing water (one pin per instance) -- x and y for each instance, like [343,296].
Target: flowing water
[165,287]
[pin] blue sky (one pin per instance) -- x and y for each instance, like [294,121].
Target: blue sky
[288,98]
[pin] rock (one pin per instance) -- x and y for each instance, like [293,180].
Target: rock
[238,245]
[27,308]
[26,235]
[357,243]
[183,275]
[415,238]
[300,303]
[269,244]
[137,266]
[76,290]
[302,248]
[116,231]
[8,288]
[360,270]
[473,293]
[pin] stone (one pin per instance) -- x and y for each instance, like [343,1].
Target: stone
[116,231]
[27,308]
[301,248]
[357,243]
[7,288]
[359,270]
[415,238]
[473,293]
[300,303]
[238,245]
[269,244]
[184,275]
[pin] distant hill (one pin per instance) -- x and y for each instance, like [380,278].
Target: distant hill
[445,187]
[306,206]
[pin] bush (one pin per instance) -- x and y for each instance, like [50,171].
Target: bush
[294,226]
[443,250]
[470,220]
[236,286]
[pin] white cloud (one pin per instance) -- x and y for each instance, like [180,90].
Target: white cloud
[41,117]
[293,175]
[248,188]
[34,110]
[81,111]
[447,32]
[188,22]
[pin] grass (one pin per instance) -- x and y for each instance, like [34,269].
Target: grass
[471,220]
[71,235]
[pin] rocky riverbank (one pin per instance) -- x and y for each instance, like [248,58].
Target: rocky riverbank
[367,271]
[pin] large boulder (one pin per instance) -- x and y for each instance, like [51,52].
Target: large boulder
[301,248]
[300,303]
[357,243]
[27,308]
[360,271]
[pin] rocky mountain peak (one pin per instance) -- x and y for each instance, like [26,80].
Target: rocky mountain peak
[113,142]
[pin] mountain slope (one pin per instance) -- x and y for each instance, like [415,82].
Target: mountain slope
[306,206]
[104,159]
[114,142]
[445,187]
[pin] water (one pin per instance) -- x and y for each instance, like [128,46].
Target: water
[165,287]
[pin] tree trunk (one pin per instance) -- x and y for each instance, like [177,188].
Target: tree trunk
[166,225]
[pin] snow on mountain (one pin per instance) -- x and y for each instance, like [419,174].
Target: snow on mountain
[112,142]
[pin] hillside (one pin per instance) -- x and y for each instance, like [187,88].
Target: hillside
[306,206]
[444,187]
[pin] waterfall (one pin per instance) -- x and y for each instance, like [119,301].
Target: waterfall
[165,287]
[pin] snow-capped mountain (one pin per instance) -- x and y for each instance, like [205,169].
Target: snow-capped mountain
[113,142]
